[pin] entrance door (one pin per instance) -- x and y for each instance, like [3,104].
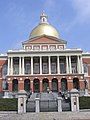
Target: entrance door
[36,85]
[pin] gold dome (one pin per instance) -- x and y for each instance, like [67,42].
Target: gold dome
[44,28]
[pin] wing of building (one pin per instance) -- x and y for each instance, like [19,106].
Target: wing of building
[44,62]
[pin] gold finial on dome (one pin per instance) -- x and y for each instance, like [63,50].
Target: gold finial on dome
[43,18]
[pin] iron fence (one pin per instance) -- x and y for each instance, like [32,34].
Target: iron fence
[30,106]
[66,104]
[48,105]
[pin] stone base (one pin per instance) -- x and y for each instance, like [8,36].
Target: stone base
[6,94]
[86,93]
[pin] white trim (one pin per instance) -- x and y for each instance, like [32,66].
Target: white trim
[81,80]
[69,80]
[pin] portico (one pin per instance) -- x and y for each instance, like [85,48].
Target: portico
[45,65]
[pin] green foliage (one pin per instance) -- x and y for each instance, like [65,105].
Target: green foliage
[8,104]
[84,102]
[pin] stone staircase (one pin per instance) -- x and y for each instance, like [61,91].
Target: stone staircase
[44,96]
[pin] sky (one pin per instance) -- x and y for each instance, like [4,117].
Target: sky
[70,17]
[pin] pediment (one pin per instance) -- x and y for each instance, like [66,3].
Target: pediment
[45,40]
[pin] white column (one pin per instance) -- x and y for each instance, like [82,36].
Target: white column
[78,65]
[8,65]
[67,67]
[23,65]
[58,65]
[49,58]
[37,109]
[82,70]
[11,71]
[70,68]
[40,64]
[31,65]
[19,65]
[59,104]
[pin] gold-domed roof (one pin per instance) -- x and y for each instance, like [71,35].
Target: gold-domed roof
[44,28]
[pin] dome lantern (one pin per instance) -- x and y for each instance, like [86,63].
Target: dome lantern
[43,18]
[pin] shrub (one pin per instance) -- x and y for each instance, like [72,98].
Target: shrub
[84,102]
[8,104]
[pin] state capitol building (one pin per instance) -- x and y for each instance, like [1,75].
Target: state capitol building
[43,63]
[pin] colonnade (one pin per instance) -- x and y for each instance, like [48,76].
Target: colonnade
[67,58]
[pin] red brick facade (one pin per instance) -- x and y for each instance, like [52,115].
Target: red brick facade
[69,79]
[50,78]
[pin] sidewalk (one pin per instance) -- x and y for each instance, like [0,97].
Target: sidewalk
[47,116]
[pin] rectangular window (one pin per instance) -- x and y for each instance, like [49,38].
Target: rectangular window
[45,65]
[62,68]
[36,68]
[27,68]
[54,65]
[27,65]
[36,65]
[53,68]
[16,69]
[45,68]
[16,65]
[74,67]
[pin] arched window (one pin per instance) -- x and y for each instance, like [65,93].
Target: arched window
[27,85]
[15,85]
[54,85]
[5,84]
[64,84]
[45,84]
[36,85]
[76,83]
[43,19]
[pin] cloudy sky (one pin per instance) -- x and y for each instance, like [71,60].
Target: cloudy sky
[19,17]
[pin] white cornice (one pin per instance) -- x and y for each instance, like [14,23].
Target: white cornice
[26,51]
[3,56]
[86,55]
